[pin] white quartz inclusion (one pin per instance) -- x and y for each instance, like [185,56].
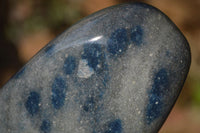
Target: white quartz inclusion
[84,71]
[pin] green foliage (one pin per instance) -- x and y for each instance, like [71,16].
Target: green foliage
[196,92]
[46,14]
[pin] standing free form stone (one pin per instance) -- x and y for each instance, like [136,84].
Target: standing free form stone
[119,70]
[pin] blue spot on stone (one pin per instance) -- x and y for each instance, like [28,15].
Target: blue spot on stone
[161,83]
[154,108]
[45,126]
[58,92]
[89,105]
[114,126]
[32,103]
[94,55]
[49,50]
[20,73]
[159,88]
[137,35]
[118,42]
[168,53]
[69,65]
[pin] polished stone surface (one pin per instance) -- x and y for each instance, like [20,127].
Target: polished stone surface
[119,70]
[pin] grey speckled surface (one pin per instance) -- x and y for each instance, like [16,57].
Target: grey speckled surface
[119,70]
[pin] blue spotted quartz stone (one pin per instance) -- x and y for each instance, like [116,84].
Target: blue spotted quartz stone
[119,70]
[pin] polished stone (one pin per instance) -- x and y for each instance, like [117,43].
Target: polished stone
[119,70]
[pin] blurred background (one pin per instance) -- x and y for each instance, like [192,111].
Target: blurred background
[28,25]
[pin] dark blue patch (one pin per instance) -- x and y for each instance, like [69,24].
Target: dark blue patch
[89,105]
[137,35]
[45,126]
[114,126]
[49,49]
[161,83]
[94,55]
[159,88]
[154,108]
[118,42]
[20,73]
[58,92]
[32,103]
[69,65]
[168,53]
